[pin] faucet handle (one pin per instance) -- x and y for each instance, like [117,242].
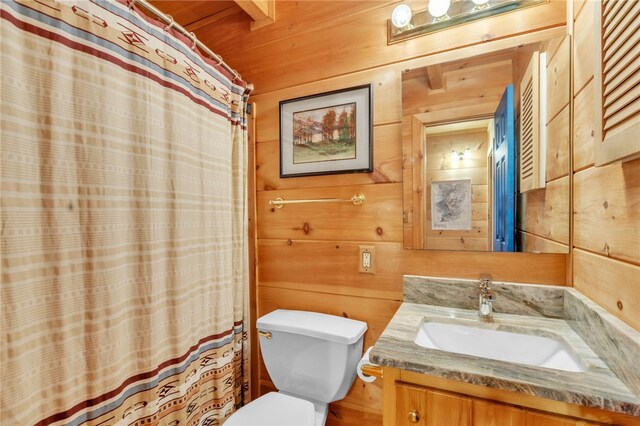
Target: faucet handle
[485,284]
[486,292]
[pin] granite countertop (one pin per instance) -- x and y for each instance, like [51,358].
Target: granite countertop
[599,386]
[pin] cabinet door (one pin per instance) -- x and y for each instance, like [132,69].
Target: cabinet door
[448,409]
[490,414]
[616,79]
[411,405]
[416,405]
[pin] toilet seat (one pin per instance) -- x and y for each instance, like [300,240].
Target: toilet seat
[274,409]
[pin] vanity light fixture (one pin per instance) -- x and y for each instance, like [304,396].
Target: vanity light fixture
[442,14]
[439,8]
[401,16]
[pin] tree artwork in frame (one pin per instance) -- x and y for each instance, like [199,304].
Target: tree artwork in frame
[327,133]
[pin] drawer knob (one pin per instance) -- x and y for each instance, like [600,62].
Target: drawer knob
[414,416]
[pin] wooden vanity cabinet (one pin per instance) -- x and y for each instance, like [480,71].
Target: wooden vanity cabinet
[416,399]
[418,405]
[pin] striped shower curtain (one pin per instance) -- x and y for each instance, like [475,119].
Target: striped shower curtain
[123,221]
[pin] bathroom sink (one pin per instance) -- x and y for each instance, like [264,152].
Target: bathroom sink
[497,344]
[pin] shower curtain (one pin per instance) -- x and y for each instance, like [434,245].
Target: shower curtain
[123,221]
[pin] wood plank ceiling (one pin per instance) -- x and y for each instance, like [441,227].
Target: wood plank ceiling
[196,14]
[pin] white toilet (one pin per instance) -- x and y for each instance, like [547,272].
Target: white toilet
[312,360]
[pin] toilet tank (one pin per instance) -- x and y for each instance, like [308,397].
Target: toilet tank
[309,354]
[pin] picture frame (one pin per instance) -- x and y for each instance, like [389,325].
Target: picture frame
[451,205]
[327,133]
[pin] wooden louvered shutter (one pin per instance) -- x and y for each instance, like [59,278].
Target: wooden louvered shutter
[530,176]
[617,81]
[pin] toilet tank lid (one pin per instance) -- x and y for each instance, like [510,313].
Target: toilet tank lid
[313,324]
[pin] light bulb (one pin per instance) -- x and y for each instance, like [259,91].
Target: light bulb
[401,16]
[438,8]
[467,153]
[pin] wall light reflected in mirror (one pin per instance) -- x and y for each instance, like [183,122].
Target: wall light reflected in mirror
[460,155]
[442,14]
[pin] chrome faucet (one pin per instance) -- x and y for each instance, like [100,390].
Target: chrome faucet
[485,299]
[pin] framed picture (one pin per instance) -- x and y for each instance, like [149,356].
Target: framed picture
[327,133]
[451,205]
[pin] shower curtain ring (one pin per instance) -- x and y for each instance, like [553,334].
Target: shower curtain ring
[170,24]
[195,40]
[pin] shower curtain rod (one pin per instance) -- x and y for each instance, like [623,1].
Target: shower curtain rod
[168,19]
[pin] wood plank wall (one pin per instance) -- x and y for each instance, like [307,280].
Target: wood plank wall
[606,200]
[319,46]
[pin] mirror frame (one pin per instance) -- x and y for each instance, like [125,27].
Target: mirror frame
[413,126]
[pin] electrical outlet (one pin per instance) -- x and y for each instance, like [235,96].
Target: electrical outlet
[366,259]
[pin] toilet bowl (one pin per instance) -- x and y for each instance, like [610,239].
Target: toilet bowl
[311,359]
[275,409]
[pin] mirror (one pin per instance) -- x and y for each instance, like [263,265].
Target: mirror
[486,148]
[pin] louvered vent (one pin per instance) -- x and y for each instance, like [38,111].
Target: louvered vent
[526,141]
[619,81]
[530,127]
